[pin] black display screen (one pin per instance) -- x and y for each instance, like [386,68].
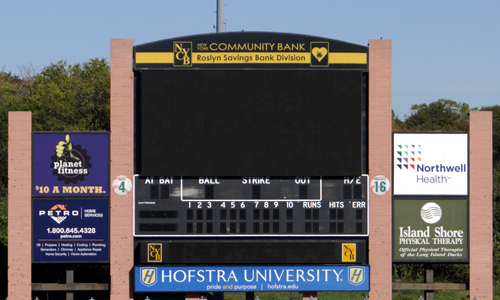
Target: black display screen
[250,122]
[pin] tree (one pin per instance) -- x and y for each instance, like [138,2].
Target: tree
[72,98]
[441,115]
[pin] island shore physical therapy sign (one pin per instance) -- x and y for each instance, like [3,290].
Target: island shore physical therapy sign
[430,230]
[70,197]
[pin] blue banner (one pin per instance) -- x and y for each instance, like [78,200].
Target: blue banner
[252,279]
[70,230]
[69,164]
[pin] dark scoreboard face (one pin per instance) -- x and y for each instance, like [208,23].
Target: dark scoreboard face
[251,206]
[250,122]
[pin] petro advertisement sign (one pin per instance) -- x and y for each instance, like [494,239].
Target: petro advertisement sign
[430,230]
[430,164]
[252,278]
[70,230]
[69,164]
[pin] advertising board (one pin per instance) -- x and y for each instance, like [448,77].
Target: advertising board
[433,230]
[252,278]
[430,164]
[70,230]
[70,164]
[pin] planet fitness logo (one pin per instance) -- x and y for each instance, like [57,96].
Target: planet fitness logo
[408,156]
[431,213]
[70,162]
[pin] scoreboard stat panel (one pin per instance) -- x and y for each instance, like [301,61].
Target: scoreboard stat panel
[250,206]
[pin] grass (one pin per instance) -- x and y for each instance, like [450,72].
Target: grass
[400,295]
[396,295]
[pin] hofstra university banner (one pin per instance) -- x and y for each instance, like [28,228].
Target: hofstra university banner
[70,164]
[252,278]
[430,164]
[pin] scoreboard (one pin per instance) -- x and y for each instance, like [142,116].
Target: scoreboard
[250,148]
[250,206]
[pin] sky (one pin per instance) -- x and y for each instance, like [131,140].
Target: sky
[446,49]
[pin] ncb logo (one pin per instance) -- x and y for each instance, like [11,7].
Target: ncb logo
[182,54]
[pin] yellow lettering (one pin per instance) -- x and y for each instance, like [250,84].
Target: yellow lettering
[80,189]
[55,189]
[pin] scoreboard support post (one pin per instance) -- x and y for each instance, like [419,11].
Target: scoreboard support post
[122,159]
[379,163]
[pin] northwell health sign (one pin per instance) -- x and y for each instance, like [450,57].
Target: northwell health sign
[430,164]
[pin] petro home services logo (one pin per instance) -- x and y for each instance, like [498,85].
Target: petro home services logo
[59,213]
[70,162]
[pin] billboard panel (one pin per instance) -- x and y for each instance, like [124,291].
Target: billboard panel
[252,278]
[430,164]
[430,230]
[70,230]
[69,164]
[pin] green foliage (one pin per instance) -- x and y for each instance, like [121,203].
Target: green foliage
[71,98]
[441,115]
[397,123]
[408,273]
[496,134]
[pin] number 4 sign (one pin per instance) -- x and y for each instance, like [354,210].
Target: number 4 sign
[380,185]
[122,185]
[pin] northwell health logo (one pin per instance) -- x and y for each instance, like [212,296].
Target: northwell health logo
[409,157]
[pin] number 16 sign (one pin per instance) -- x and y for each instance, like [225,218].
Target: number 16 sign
[380,185]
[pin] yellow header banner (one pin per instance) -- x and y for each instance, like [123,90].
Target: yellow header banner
[250,58]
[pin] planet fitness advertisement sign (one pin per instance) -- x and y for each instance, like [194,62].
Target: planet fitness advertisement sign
[430,164]
[430,230]
[69,164]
